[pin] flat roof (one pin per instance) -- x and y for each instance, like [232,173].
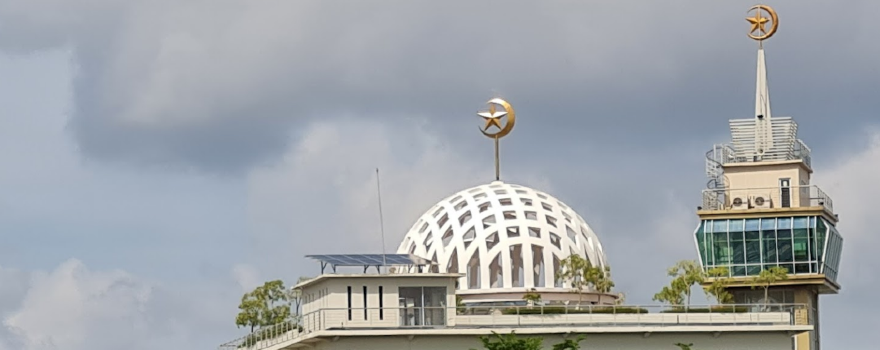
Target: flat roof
[383,275]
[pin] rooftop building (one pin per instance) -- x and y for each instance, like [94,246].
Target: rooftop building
[761,213]
[488,260]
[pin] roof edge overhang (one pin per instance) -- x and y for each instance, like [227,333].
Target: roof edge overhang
[825,285]
[328,276]
[766,213]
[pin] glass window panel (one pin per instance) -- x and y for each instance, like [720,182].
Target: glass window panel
[821,231]
[752,224]
[753,270]
[753,247]
[801,245]
[800,222]
[720,248]
[811,237]
[738,271]
[719,225]
[737,247]
[813,221]
[788,267]
[701,242]
[815,268]
[769,247]
[768,224]
[783,223]
[736,225]
[802,268]
[784,246]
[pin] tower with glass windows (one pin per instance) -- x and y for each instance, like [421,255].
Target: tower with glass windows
[761,210]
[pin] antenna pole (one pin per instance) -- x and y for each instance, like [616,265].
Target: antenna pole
[381,218]
[497,161]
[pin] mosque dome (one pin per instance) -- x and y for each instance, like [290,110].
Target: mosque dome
[504,238]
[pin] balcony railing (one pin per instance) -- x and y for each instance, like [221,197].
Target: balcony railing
[766,198]
[522,316]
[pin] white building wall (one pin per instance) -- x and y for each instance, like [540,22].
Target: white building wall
[731,341]
[331,298]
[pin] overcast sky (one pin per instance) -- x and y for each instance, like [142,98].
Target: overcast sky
[160,157]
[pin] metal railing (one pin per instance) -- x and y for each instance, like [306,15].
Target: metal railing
[766,198]
[522,316]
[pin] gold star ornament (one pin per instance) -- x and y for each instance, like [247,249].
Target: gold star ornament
[492,117]
[759,22]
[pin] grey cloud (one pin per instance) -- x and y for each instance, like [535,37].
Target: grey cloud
[164,82]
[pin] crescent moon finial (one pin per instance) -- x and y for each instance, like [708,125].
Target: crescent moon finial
[493,118]
[759,22]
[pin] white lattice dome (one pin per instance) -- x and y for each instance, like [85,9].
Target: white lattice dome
[503,237]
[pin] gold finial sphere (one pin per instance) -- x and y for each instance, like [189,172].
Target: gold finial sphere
[493,118]
[759,21]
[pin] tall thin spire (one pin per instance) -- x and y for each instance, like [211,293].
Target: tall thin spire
[763,124]
[763,128]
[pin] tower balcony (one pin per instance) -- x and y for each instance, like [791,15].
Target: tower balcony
[767,200]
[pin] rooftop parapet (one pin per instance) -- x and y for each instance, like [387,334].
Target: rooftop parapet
[449,320]
[766,198]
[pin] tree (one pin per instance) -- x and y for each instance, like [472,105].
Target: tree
[575,271]
[767,277]
[581,275]
[684,275]
[511,342]
[532,297]
[600,279]
[718,288]
[266,305]
[569,344]
[295,297]
[684,346]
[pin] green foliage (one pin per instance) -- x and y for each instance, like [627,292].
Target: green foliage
[767,277]
[511,342]
[266,305]
[569,344]
[580,274]
[601,279]
[295,297]
[552,310]
[532,296]
[718,288]
[713,309]
[684,275]
[684,346]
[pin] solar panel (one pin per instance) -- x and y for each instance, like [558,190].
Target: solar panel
[370,259]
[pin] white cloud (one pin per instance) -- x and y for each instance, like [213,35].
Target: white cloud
[247,277]
[74,307]
[323,194]
[853,185]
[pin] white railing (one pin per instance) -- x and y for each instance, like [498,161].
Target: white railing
[521,316]
[772,197]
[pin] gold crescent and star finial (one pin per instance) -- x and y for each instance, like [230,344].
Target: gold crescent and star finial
[493,119]
[759,22]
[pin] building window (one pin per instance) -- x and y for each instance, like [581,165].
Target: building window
[381,304]
[349,303]
[422,306]
[365,303]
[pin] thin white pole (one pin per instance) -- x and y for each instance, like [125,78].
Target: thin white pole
[381,219]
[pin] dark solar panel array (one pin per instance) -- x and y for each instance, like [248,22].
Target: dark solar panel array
[370,259]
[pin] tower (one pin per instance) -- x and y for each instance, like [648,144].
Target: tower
[761,211]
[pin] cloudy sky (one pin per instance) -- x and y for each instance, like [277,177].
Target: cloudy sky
[160,157]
